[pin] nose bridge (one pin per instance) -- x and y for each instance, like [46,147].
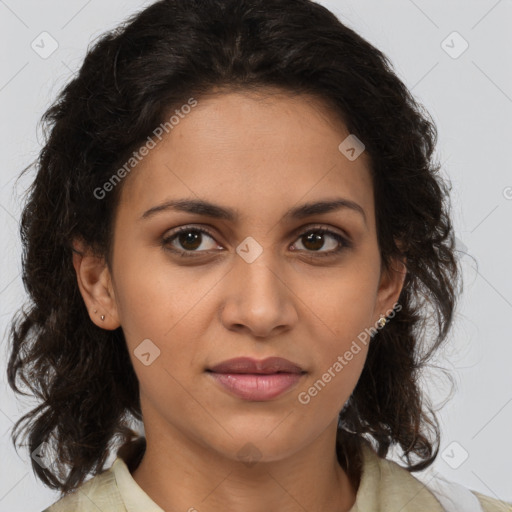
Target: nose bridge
[257,296]
[258,273]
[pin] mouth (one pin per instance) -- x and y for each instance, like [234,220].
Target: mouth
[255,380]
[267,366]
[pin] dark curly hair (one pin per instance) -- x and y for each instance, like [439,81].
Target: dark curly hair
[130,80]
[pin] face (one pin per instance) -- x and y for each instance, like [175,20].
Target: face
[263,281]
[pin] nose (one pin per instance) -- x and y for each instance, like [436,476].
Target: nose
[257,298]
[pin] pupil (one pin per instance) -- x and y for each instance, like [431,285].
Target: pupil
[315,239]
[189,237]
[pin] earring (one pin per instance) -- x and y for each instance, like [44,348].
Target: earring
[102,316]
[382,321]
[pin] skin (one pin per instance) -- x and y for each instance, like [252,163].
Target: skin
[261,156]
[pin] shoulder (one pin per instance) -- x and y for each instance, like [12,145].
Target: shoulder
[386,485]
[492,505]
[98,493]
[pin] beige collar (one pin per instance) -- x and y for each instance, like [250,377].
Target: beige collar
[384,486]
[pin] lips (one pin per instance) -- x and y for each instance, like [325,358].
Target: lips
[254,366]
[250,379]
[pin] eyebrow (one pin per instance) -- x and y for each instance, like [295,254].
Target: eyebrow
[207,209]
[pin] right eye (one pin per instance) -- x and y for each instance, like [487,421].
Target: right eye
[189,238]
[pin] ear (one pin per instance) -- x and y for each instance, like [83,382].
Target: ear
[390,286]
[95,284]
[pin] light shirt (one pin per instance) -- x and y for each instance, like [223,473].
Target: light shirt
[385,486]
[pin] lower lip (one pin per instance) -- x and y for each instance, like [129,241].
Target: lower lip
[258,387]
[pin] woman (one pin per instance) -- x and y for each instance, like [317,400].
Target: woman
[234,230]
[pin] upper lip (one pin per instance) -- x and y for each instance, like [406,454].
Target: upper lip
[249,365]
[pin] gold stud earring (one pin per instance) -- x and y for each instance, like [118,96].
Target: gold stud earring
[382,321]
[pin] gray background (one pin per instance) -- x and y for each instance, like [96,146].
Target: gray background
[470,99]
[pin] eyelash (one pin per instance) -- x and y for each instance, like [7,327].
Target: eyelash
[342,241]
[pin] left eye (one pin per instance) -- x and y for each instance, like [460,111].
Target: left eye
[315,239]
[191,239]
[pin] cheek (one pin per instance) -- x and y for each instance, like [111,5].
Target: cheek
[345,304]
[335,377]
[163,318]
[342,337]
[154,298]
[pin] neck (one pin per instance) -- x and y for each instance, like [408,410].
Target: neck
[178,474]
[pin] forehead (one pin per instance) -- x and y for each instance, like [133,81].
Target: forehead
[254,152]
